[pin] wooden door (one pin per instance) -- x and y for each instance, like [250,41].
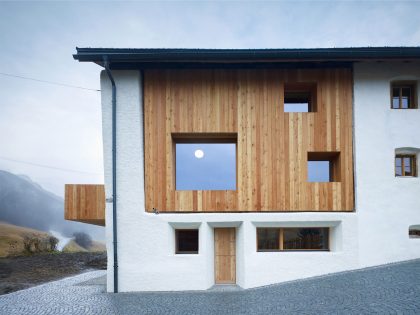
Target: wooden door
[225,255]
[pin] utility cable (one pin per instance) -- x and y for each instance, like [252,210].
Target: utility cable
[49,82]
[47,166]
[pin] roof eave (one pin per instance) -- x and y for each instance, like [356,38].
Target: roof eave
[207,56]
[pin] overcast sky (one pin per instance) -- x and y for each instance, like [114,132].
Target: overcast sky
[61,127]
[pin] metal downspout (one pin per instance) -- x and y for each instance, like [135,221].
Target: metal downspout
[114,172]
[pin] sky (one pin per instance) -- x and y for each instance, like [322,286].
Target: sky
[60,127]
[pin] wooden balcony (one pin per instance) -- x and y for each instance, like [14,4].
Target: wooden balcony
[85,203]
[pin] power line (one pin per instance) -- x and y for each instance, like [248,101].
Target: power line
[49,82]
[47,166]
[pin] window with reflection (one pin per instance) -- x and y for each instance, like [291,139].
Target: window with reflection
[268,239]
[292,239]
[403,95]
[405,165]
[205,163]
[305,239]
[323,167]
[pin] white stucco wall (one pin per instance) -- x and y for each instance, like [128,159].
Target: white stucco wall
[376,233]
[386,205]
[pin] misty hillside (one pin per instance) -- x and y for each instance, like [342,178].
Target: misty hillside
[25,203]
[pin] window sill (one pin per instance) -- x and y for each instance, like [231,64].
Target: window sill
[203,190]
[294,251]
[185,255]
[299,112]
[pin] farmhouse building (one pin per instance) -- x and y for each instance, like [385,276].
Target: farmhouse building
[253,166]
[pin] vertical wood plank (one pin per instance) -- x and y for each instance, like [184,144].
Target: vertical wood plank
[272,145]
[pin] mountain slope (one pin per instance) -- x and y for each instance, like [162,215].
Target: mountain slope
[25,203]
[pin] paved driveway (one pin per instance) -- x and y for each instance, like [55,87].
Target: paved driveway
[391,289]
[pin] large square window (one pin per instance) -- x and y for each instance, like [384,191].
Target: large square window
[206,164]
[323,166]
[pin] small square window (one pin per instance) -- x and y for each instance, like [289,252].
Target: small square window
[186,241]
[205,164]
[403,95]
[405,165]
[299,97]
[323,166]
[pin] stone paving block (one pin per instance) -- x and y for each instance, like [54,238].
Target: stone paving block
[389,289]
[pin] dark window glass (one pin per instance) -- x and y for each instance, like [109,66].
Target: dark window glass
[395,98]
[280,239]
[297,102]
[405,98]
[405,165]
[414,232]
[268,239]
[398,166]
[205,166]
[305,238]
[186,241]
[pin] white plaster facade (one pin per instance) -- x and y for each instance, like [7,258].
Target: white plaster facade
[376,233]
[385,205]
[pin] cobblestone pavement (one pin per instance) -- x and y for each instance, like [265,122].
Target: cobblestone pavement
[390,289]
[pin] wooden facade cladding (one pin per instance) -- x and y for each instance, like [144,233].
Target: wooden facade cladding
[272,146]
[85,203]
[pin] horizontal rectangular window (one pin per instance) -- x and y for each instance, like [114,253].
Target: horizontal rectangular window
[186,241]
[292,239]
[205,164]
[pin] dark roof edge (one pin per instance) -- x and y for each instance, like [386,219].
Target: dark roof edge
[151,55]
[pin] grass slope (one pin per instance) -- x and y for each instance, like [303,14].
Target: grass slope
[73,247]
[12,236]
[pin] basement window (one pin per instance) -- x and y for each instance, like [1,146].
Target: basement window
[292,239]
[205,163]
[414,231]
[405,165]
[299,97]
[323,166]
[403,95]
[186,241]
[268,239]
